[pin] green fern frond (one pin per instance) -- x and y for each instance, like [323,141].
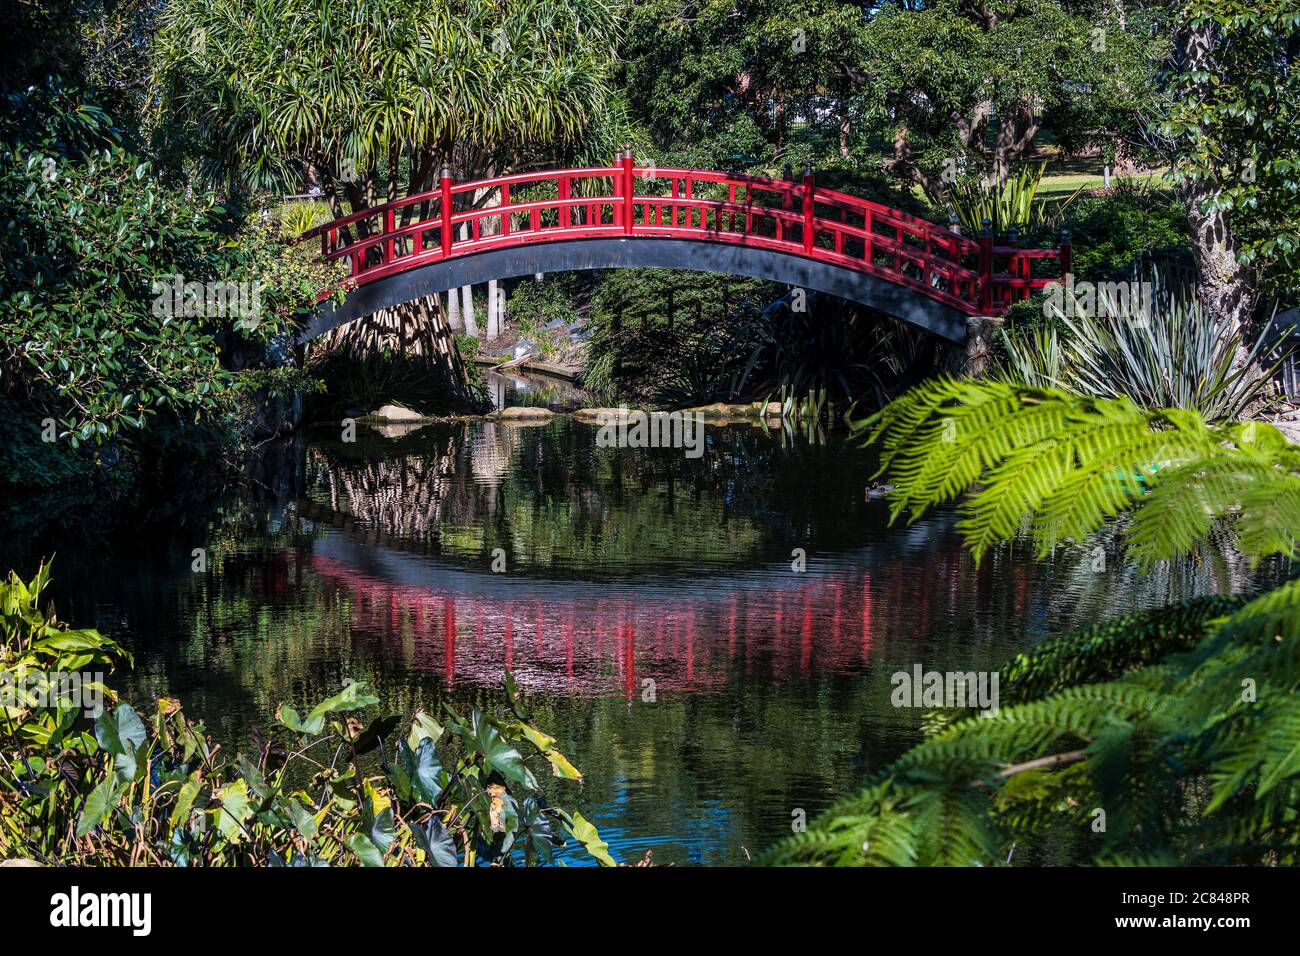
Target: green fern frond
[1072,463]
[1111,649]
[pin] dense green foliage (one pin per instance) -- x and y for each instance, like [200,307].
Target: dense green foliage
[1168,737]
[966,88]
[92,242]
[155,789]
[365,99]
[1135,221]
[1232,125]
[680,339]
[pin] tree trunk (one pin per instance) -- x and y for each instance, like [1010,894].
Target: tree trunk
[1227,288]
[467,311]
[494,310]
[453,311]
[903,164]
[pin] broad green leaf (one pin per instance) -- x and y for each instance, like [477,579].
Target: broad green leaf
[423,726]
[98,806]
[185,801]
[585,833]
[499,754]
[365,849]
[234,808]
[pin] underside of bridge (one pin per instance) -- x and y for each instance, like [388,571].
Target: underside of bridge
[883,295]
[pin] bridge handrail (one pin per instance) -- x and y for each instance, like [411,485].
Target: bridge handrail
[925,256]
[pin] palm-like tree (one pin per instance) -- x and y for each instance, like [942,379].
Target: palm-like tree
[364,98]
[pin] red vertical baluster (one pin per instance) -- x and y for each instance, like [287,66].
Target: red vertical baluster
[505,202]
[390,223]
[787,203]
[986,268]
[564,199]
[446,211]
[928,248]
[629,181]
[809,229]
[618,189]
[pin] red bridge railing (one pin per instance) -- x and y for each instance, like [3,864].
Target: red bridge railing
[974,275]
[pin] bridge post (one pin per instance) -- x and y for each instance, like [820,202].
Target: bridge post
[617,183]
[445,185]
[1065,255]
[986,267]
[629,185]
[809,230]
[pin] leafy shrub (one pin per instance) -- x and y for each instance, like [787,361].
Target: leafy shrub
[1136,222]
[358,381]
[681,339]
[296,217]
[92,241]
[154,789]
[665,334]
[1014,203]
[534,305]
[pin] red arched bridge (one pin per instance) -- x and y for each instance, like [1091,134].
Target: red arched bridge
[628,216]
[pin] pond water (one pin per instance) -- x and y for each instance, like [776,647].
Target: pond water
[510,387]
[649,605]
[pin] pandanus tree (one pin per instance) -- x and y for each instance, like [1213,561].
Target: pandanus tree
[367,101]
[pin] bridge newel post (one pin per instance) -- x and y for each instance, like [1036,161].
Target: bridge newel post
[986,266]
[809,229]
[629,185]
[1065,255]
[445,185]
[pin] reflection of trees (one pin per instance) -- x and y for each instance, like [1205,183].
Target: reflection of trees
[550,498]
[403,497]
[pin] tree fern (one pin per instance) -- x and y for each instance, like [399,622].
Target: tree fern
[1179,727]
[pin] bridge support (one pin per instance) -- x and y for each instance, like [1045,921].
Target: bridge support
[975,359]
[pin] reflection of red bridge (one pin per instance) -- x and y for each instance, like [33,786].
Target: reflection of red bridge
[590,644]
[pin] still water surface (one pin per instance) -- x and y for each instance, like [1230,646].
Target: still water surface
[705,689]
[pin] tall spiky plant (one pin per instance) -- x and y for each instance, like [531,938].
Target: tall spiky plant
[1147,338]
[1177,728]
[1013,203]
